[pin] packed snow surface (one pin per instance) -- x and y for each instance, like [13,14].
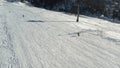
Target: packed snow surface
[37,38]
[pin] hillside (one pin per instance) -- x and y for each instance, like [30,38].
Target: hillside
[108,8]
[32,37]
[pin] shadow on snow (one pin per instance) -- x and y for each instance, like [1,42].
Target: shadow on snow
[47,21]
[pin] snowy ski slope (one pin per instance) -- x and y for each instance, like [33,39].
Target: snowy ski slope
[37,38]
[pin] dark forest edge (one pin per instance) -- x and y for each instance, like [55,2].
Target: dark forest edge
[105,9]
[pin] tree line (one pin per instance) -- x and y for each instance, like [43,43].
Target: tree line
[108,8]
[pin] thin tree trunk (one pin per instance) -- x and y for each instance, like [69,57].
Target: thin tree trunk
[78,13]
[22,0]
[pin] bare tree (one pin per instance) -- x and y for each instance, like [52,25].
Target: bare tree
[78,12]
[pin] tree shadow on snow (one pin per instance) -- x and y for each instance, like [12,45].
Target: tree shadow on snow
[74,34]
[35,21]
[47,21]
[59,21]
[78,33]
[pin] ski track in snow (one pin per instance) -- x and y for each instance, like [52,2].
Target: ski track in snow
[37,38]
[7,54]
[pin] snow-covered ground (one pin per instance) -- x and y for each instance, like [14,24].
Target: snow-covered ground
[37,38]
